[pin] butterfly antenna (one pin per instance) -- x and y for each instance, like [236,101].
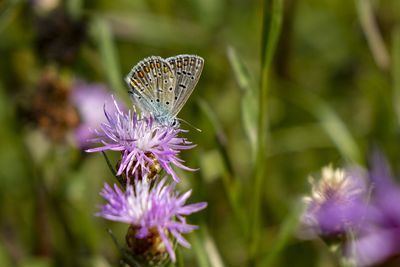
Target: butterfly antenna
[191,125]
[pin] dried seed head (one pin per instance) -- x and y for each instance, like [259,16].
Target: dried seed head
[59,36]
[51,109]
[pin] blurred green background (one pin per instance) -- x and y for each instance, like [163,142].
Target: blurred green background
[333,92]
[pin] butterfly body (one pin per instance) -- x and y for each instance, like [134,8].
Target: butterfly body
[160,87]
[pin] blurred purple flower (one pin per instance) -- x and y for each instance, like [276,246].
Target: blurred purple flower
[141,142]
[382,240]
[336,204]
[151,209]
[90,99]
[341,206]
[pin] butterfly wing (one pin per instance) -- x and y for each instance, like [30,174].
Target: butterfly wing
[187,70]
[152,83]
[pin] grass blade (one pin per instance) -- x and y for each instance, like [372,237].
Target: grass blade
[249,107]
[198,248]
[396,70]
[211,249]
[231,185]
[372,34]
[108,53]
[332,124]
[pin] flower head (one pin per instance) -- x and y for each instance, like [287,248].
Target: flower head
[151,210]
[382,240]
[142,143]
[336,202]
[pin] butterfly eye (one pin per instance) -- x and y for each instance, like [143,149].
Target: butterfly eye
[174,123]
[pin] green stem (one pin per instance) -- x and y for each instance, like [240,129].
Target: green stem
[272,27]
[119,178]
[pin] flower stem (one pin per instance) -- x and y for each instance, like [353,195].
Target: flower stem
[272,20]
[119,177]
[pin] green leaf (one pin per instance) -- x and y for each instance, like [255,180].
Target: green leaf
[249,104]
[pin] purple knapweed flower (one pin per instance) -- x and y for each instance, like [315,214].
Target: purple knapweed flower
[382,240]
[150,210]
[336,204]
[142,143]
[89,100]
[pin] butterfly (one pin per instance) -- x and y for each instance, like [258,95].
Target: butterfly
[160,87]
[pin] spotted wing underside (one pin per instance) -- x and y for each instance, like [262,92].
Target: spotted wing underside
[187,70]
[152,84]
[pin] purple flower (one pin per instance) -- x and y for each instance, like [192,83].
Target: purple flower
[142,143]
[336,204]
[382,240]
[89,99]
[151,209]
[364,206]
